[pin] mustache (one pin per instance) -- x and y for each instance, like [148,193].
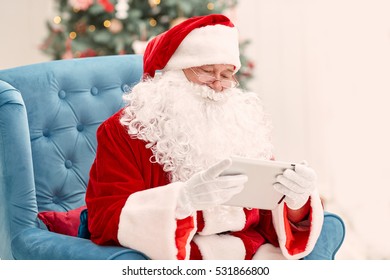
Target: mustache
[208,93]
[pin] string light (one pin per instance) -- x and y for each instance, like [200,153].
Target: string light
[107,23]
[72,35]
[57,20]
[154,3]
[210,6]
[92,28]
[152,22]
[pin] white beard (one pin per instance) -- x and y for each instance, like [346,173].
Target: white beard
[188,127]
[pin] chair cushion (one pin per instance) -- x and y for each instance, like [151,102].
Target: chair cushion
[62,222]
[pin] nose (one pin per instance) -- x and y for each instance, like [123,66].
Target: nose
[216,85]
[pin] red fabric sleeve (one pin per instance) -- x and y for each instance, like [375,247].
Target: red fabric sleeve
[266,227]
[121,167]
[183,231]
[296,237]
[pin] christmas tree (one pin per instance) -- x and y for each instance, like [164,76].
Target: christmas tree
[84,28]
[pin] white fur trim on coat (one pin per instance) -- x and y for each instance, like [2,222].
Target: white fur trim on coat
[223,218]
[211,44]
[220,247]
[315,226]
[147,222]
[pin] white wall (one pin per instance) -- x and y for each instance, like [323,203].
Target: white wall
[322,68]
[22,31]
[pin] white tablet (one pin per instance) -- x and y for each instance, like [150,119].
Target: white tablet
[258,191]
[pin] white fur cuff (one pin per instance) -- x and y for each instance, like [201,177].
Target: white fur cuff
[148,224]
[220,247]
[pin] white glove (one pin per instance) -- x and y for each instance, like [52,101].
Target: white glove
[207,189]
[297,185]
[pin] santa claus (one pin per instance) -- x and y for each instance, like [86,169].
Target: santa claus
[156,184]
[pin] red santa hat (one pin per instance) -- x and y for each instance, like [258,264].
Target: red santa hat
[200,40]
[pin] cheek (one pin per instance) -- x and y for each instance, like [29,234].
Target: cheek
[191,76]
[188,74]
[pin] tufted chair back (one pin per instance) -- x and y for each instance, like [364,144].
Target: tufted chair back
[49,114]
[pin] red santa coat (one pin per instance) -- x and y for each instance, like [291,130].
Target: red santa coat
[131,202]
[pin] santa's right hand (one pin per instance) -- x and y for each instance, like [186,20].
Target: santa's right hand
[208,189]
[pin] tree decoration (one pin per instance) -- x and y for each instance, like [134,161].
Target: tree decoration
[122,8]
[84,28]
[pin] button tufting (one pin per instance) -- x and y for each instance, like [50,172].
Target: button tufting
[62,94]
[125,88]
[94,91]
[56,200]
[80,127]
[46,132]
[68,164]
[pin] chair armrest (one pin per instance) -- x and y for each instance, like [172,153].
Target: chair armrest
[330,240]
[39,244]
[18,209]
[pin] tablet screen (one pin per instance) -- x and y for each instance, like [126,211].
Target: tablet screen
[258,191]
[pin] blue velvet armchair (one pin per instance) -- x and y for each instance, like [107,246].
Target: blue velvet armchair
[49,113]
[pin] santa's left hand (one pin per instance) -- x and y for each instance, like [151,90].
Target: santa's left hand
[297,184]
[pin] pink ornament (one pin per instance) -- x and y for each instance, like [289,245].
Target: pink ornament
[116,26]
[67,55]
[80,4]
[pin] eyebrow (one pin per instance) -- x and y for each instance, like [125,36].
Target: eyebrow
[230,69]
[210,67]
